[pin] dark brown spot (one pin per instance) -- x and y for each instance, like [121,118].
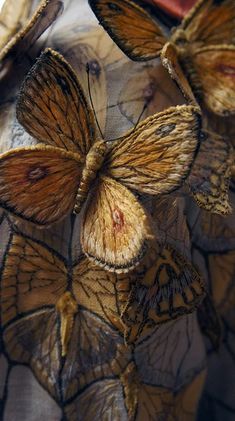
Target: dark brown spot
[36,173]
[94,68]
[114,7]
[118,219]
[226,69]
[165,129]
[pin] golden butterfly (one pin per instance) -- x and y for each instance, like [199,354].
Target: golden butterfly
[18,32]
[45,323]
[44,183]
[200,51]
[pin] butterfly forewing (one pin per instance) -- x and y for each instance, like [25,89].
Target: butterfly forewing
[52,106]
[114,227]
[157,155]
[211,22]
[131,27]
[39,183]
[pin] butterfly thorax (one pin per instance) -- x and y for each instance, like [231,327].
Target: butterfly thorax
[93,163]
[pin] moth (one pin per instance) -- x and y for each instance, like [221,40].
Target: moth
[18,32]
[73,165]
[199,54]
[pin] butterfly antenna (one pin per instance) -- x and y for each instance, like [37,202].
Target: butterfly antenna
[90,96]
[141,114]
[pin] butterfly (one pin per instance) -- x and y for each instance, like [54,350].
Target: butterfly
[200,52]
[45,323]
[167,286]
[129,397]
[73,161]
[18,33]
[209,179]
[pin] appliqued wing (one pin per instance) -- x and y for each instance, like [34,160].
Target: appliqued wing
[80,55]
[114,227]
[34,282]
[44,16]
[156,156]
[131,27]
[52,106]
[215,70]
[169,288]
[209,178]
[211,22]
[149,91]
[39,183]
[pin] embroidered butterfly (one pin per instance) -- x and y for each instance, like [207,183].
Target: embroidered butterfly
[44,183]
[17,33]
[200,51]
[45,324]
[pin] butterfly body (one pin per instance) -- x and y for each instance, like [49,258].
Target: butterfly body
[67,308]
[93,164]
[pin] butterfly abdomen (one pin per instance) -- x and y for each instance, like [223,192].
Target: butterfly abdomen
[66,307]
[93,163]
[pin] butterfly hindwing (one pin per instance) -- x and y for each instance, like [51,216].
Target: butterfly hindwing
[52,106]
[214,67]
[157,155]
[209,179]
[114,226]
[164,290]
[39,183]
[131,27]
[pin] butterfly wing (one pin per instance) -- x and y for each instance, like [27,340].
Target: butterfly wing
[43,17]
[12,17]
[114,227]
[81,55]
[215,70]
[52,107]
[131,27]
[211,22]
[156,156]
[209,179]
[39,183]
[169,288]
